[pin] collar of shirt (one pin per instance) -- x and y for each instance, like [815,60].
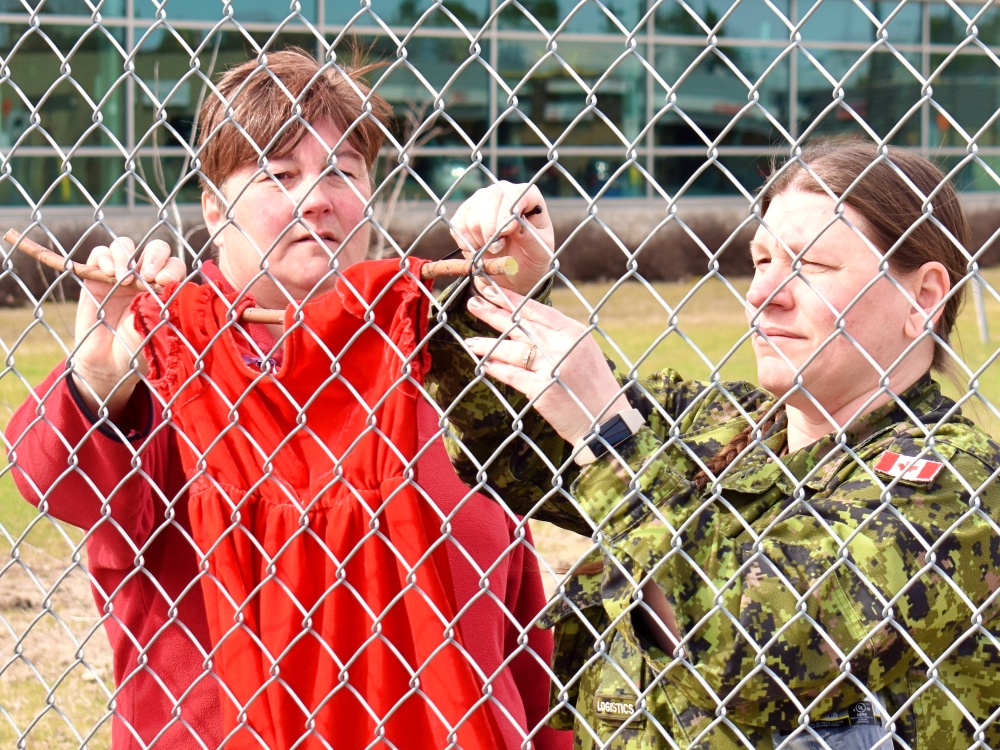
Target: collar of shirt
[261,341]
[815,465]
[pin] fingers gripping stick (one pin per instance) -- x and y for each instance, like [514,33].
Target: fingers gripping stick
[527,214]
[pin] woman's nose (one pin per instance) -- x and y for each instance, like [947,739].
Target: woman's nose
[770,286]
[315,196]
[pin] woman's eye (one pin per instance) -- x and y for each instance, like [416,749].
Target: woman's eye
[348,167]
[269,177]
[812,265]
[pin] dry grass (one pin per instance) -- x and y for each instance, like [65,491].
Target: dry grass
[55,678]
[55,685]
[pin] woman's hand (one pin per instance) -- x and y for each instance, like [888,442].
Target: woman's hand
[512,220]
[106,340]
[566,374]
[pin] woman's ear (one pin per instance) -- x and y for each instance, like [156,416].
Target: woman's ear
[929,284]
[214,215]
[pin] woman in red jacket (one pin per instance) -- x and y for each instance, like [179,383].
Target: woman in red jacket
[286,151]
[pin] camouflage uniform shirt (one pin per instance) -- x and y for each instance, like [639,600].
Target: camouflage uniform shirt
[808,588]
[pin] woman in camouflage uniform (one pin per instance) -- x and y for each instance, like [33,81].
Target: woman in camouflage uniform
[809,563]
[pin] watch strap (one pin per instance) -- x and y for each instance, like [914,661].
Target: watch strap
[610,433]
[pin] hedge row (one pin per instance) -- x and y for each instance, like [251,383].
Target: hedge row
[616,240]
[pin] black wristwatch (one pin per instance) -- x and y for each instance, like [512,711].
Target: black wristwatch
[611,432]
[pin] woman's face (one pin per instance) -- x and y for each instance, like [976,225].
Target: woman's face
[295,217]
[822,309]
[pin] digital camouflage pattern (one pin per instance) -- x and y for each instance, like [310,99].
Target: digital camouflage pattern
[802,584]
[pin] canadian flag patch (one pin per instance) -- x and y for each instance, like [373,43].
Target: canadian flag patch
[907,468]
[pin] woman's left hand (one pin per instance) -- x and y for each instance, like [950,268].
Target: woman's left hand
[550,358]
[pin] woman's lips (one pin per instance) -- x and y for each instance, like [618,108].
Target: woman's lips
[774,338]
[776,333]
[320,240]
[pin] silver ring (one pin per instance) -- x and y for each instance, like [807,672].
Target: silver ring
[529,357]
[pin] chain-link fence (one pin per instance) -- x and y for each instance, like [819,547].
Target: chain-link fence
[272,510]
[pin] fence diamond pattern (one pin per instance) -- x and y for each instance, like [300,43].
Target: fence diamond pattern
[310,644]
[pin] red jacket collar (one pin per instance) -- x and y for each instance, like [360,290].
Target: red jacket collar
[259,332]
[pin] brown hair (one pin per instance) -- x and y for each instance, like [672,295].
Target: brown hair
[263,105]
[715,465]
[900,196]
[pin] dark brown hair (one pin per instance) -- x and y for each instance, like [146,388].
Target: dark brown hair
[263,105]
[900,196]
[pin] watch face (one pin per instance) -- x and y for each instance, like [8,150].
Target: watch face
[613,431]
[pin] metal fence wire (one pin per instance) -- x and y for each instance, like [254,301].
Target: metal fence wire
[271,515]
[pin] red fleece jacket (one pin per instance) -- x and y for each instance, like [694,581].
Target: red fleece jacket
[125,485]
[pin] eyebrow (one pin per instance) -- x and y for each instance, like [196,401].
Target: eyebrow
[350,154]
[755,245]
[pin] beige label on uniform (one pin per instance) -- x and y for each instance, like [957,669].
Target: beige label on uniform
[614,708]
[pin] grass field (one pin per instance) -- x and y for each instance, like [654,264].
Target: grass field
[54,662]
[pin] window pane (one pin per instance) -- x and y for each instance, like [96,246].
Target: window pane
[434,99]
[977,175]
[747,20]
[244,11]
[708,101]
[454,177]
[110,8]
[587,18]
[966,88]
[575,176]
[34,180]
[948,26]
[162,172]
[845,21]
[471,14]
[554,96]
[67,110]
[438,177]
[727,175]
[881,91]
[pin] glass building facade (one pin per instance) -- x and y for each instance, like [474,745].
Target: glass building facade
[633,99]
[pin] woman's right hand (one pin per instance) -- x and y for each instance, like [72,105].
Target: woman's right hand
[565,373]
[107,359]
[509,220]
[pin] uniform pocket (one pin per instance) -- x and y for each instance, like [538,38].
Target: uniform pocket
[577,618]
[623,679]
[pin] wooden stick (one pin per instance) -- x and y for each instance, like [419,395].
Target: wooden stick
[436,269]
[54,260]
[505,266]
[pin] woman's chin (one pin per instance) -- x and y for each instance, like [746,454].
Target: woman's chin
[774,376]
[309,288]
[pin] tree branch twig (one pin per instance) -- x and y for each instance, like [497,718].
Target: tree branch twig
[505,266]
